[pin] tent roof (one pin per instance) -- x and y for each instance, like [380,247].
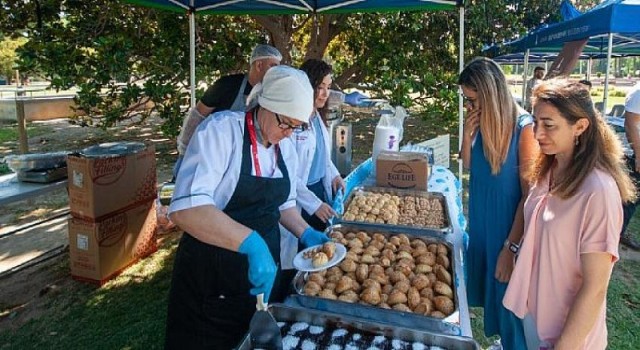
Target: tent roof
[273,7]
[612,16]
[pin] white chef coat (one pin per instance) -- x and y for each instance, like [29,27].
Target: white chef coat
[305,144]
[211,167]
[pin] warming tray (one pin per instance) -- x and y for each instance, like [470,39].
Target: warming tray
[445,228]
[364,334]
[449,325]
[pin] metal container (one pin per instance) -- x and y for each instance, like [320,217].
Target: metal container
[36,161]
[112,149]
[447,228]
[449,325]
[354,325]
[43,176]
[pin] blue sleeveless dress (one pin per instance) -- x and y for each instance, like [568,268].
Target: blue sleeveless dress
[493,200]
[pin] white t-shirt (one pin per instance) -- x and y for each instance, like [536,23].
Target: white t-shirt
[211,167]
[632,101]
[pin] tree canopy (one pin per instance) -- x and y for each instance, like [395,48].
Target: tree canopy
[121,56]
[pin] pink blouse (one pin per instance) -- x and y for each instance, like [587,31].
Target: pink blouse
[548,275]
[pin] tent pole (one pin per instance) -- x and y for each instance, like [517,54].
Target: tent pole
[460,103]
[192,56]
[606,75]
[589,68]
[524,79]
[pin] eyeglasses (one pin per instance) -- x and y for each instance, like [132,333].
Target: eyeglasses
[286,126]
[469,101]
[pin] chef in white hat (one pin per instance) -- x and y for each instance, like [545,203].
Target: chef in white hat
[236,183]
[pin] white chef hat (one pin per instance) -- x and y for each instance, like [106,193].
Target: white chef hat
[264,51]
[284,90]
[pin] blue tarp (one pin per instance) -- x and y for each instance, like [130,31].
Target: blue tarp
[256,7]
[619,17]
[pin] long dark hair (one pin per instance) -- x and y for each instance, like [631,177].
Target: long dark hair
[316,71]
[597,147]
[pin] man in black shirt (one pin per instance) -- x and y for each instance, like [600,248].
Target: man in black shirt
[227,93]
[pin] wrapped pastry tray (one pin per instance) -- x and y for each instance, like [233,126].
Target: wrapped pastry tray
[412,218]
[303,328]
[36,161]
[450,324]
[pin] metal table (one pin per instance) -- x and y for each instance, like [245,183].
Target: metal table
[12,190]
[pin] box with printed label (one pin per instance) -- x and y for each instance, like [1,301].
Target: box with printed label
[404,170]
[100,250]
[100,186]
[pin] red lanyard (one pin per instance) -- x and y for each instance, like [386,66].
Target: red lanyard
[254,145]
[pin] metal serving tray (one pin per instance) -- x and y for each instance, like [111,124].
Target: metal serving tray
[447,228]
[449,325]
[286,313]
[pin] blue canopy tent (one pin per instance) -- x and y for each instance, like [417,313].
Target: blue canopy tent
[275,7]
[610,26]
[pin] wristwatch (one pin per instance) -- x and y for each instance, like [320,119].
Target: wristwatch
[514,248]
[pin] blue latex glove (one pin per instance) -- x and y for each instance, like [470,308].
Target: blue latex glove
[262,268]
[311,237]
[354,98]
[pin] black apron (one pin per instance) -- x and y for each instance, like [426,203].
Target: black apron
[210,306]
[314,221]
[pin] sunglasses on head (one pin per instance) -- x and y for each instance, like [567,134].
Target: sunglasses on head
[286,126]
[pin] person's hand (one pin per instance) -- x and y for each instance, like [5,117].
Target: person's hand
[311,237]
[354,98]
[262,268]
[325,212]
[337,183]
[637,165]
[471,123]
[504,266]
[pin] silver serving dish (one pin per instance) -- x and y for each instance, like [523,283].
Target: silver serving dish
[447,228]
[450,325]
[36,161]
[331,320]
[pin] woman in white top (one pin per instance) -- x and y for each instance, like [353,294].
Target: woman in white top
[318,177]
[236,183]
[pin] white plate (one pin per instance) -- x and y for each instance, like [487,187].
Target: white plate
[302,264]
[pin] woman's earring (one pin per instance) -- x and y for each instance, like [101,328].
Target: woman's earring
[577,140]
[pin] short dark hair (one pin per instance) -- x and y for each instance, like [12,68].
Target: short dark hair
[585,82]
[538,68]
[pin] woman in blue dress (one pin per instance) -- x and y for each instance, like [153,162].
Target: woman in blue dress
[498,145]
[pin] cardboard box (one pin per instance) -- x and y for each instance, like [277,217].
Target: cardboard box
[100,250]
[403,170]
[101,186]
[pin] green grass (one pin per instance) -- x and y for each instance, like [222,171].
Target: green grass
[128,312]
[9,132]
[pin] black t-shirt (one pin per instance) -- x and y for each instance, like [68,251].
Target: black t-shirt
[223,92]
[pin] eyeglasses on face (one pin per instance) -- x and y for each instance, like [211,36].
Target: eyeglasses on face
[286,126]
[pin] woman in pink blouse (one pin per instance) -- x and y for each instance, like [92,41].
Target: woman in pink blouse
[573,217]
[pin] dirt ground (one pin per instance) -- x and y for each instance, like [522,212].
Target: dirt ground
[26,293]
